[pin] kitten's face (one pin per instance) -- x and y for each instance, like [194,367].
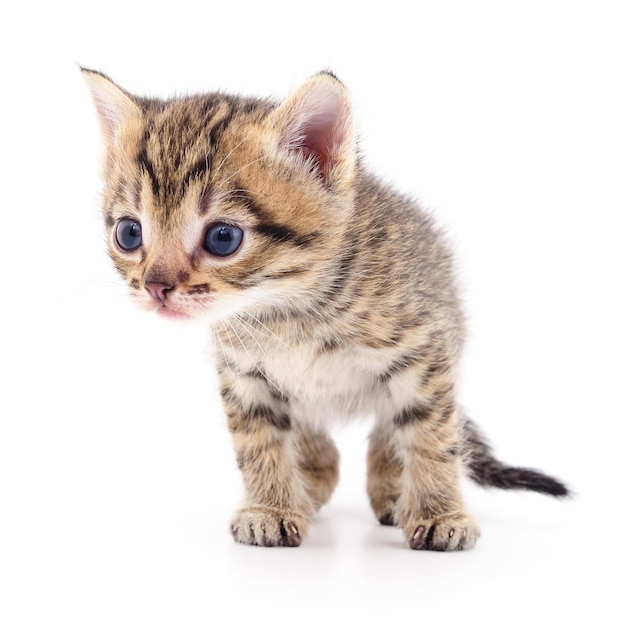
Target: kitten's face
[214,205]
[193,239]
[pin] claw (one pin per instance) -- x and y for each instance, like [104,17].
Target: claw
[294,539]
[418,539]
[267,527]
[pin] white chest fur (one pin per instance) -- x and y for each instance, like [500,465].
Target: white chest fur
[338,384]
[320,384]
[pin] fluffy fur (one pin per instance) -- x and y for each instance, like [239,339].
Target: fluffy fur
[339,301]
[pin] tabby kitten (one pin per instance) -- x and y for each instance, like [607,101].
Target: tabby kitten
[330,296]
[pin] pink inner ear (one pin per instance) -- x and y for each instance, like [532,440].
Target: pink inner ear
[320,143]
[113,105]
[321,132]
[316,122]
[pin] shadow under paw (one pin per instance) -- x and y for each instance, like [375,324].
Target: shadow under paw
[387,519]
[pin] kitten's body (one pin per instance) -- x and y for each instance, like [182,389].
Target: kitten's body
[337,299]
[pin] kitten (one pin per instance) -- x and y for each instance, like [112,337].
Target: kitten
[330,296]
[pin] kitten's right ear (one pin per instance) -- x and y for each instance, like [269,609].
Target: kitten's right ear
[316,123]
[114,105]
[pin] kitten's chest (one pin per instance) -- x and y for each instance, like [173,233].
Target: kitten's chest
[319,382]
[323,385]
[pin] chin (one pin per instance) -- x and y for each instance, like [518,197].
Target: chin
[208,316]
[173,314]
[209,312]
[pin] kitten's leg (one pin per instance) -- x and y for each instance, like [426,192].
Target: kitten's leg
[276,508]
[430,509]
[383,474]
[319,463]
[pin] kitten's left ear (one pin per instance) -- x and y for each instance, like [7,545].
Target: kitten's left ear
[114,105]
[316,122]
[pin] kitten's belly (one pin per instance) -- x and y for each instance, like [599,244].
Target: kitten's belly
[323,387]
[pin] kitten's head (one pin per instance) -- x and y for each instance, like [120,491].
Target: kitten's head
[214,204]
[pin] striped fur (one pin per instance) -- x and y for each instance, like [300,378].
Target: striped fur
[340,301]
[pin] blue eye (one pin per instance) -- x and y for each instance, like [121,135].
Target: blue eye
[128,235]
[222,239]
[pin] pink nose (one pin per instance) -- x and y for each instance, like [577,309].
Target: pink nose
[158,291]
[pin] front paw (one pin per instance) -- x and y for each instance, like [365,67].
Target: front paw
[443,534]
[267,526]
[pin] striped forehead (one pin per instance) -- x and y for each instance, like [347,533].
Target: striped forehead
[179,140]
[183,237]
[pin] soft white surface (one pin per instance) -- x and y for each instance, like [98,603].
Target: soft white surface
[117,478]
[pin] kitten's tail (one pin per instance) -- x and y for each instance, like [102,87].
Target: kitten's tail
[486,470]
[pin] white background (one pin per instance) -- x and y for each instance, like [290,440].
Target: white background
[117,479]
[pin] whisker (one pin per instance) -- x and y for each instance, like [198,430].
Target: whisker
[244,167]
[269,331]
[237,366]
[250,355]
[219,341]
[229,154]
[251,329]
[90,289]
[244,193]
